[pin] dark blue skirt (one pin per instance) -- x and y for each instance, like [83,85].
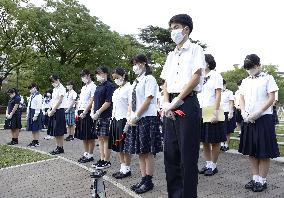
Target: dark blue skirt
[145,137]
[85,127]
[238,115]
[116,131]
[259,139]
[275,116]
[14,122]
[213,132]
[229,125]
[34,125]
[57,124]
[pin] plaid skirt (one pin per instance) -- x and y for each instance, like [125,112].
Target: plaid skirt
[14,122]
[84,127]
[145,137]
[57,124]
[259,139]
[34,125]
[70,117]
[102,127]
[116,131]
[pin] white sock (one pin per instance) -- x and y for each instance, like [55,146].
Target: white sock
[90,155]
[86,154]
[255,178]
[264,180]
[127,169]
[226,144]
[208,164]
[121,167]
[222,143]
[213,165]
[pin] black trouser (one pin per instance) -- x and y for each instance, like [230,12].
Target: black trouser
[181,153]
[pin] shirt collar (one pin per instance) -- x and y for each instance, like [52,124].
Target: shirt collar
[261,74]
[185,46]
[139,78]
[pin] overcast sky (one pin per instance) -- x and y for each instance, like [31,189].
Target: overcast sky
[231,28]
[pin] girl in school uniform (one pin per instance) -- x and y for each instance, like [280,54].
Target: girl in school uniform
[118,129]
[34,114]
[101,114]
[70,110]
[227,102]
[84,122]
[212,132]
[258,138]
[13,115]
[46,104]
[56,114]
[144,137]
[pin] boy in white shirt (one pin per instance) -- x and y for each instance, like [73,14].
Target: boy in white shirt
[70,110]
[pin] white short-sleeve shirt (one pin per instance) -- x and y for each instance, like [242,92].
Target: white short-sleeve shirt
[57,92]
[181,65]
[147,86]
[35,101]
[71,96]
[255,92]
[237,99]
[226,96]
[213,80]
[87,92]
[120,102]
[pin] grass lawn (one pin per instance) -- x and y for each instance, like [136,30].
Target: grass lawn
[10,156]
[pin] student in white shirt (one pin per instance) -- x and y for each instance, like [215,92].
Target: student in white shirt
[57,123]
[212,131]
[34,114]
[183,73]
[143,137]
[258,138]
[227,102]
[70,110]
[238,113]
[84,122]
[120,100]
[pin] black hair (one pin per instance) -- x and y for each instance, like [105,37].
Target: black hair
[32,85]
[48,91]
[141,58]
[122,72]
[54,77]
[239,82]
[224,82]
[70,83]
[251,60]
[103,69]
[87,72]
[210,60]
[12,90]
[183,19]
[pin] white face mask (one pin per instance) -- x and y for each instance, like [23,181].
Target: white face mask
[119,81]
[137,70]
[177,36]
[69,87]
[55,84]
[48,95]
[253,71]
[100,78]
[84,80]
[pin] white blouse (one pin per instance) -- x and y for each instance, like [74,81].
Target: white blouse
[255,92]
[87,92]
[237,99]
[120,102]
[226,97]
[35,102]
[71,96]
[56,94]
[213,80]
[181,65]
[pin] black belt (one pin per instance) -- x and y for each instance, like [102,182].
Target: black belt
[173,95]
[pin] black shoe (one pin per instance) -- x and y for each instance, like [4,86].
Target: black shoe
[250,184]
[258,187]
[103,165]
[69,138]
[97,163]
[202,171]
[121,175]
[33,144]
[13,142]
[222,148]
[136,186]
[116,173]
[226,148]
[57,151]
[210,172]
[147,186]
[85,159]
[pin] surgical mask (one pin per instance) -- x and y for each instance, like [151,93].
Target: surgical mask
[48,95]
[119,82]
[84,80]
[177,36]
[137,70]
[55,84]
[100,78]
[253,71]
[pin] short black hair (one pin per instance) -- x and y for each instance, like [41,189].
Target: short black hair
[54,77]
[102,69]
[224,82]
[239,82]
[70,83]
[142,58]
[32,85]
[122,72]
[12,90]
[210,60]
[183,19]
[251,60]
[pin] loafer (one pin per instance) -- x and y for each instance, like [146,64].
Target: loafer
[250,184]
[57,151]
[210,172]
[258,187]
[147,186]
[202,171]
[136,186]
[121,175]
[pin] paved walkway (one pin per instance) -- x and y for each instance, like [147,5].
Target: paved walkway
[64,177]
